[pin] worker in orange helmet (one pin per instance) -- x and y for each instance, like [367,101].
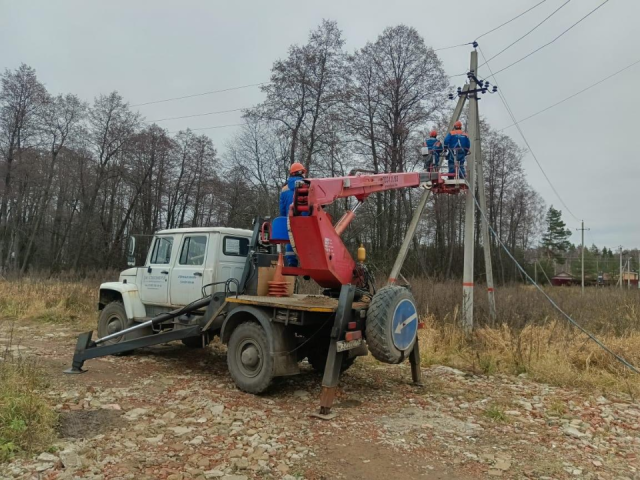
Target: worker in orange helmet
[296,173]
[435,149]
[458,145]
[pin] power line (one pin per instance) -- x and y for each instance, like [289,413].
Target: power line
[526,34]
[215,126]
[552,41]
[513,119]
[454,46]
[514,18]
[200,94]
[493,29]
[196,115]
[574,95]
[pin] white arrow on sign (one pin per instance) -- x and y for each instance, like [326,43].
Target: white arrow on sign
[406,322]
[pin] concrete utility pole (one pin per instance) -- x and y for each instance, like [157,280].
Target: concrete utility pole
[620,279]
[629,273]
[484,222]
[470,210]
[582,252]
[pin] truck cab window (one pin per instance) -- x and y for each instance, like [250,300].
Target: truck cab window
[193,250]
[235,246]
[161,251]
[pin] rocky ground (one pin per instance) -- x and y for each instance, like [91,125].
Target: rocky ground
[173,413]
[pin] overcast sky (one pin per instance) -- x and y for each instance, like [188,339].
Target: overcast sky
[151,50]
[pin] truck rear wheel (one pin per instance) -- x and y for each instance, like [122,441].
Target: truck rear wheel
[392,324]
[249,358]
[113,319]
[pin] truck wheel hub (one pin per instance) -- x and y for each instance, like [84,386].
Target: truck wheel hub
[114,325]
[250,357]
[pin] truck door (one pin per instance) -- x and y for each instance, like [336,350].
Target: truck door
[188,273]
[232,258]
[155,275]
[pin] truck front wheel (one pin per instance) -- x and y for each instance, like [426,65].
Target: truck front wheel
[113,319]
[249,358]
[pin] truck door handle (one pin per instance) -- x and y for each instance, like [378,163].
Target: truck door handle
[197,274]
[164,272]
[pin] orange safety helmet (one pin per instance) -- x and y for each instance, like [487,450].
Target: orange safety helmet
[433,133]
[297,168]
[458,124]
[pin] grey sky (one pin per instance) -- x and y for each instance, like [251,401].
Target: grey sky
[159,49]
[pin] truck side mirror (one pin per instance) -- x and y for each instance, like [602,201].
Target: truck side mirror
[131,250]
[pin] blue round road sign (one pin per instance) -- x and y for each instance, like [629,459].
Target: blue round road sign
[405,324]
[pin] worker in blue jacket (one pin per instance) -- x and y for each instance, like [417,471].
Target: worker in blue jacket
[458,146]
[435,149]
[296,173]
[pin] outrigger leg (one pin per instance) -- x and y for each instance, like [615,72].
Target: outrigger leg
[87,349]
[334,359]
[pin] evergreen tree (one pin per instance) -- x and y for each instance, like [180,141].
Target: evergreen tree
[554,240]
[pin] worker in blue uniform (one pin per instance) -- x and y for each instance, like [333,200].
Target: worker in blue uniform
[435,149]
[458,147]
[296,173]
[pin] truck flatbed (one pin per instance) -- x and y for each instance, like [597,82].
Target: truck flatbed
[307,303]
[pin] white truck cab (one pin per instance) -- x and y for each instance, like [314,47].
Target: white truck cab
[180,264]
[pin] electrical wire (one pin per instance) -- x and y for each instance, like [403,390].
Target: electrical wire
[211,128]
[553,303]
[453,46]
[196,115]
[492,30]
[508,22]
[199,94]
[513,119]
[526,34]
[552,41]
[574,95]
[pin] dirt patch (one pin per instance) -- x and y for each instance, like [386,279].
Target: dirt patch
[352,458]
[88,423]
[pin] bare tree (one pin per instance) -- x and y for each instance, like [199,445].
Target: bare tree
[21,96]
[111,125]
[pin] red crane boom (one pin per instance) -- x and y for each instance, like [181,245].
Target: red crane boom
[321,253]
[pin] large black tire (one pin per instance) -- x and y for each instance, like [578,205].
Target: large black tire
[113,318]
[317,358]
[380,322]
[249,358]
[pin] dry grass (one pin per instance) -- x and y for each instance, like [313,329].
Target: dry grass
[551,353]
[49,301]
[530,336]
[27,422]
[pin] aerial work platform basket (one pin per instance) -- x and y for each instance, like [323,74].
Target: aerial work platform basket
[441,181]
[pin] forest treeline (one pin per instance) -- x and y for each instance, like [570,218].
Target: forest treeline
[77,178]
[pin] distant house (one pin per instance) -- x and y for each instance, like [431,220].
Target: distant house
[562,279]
[630,277]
